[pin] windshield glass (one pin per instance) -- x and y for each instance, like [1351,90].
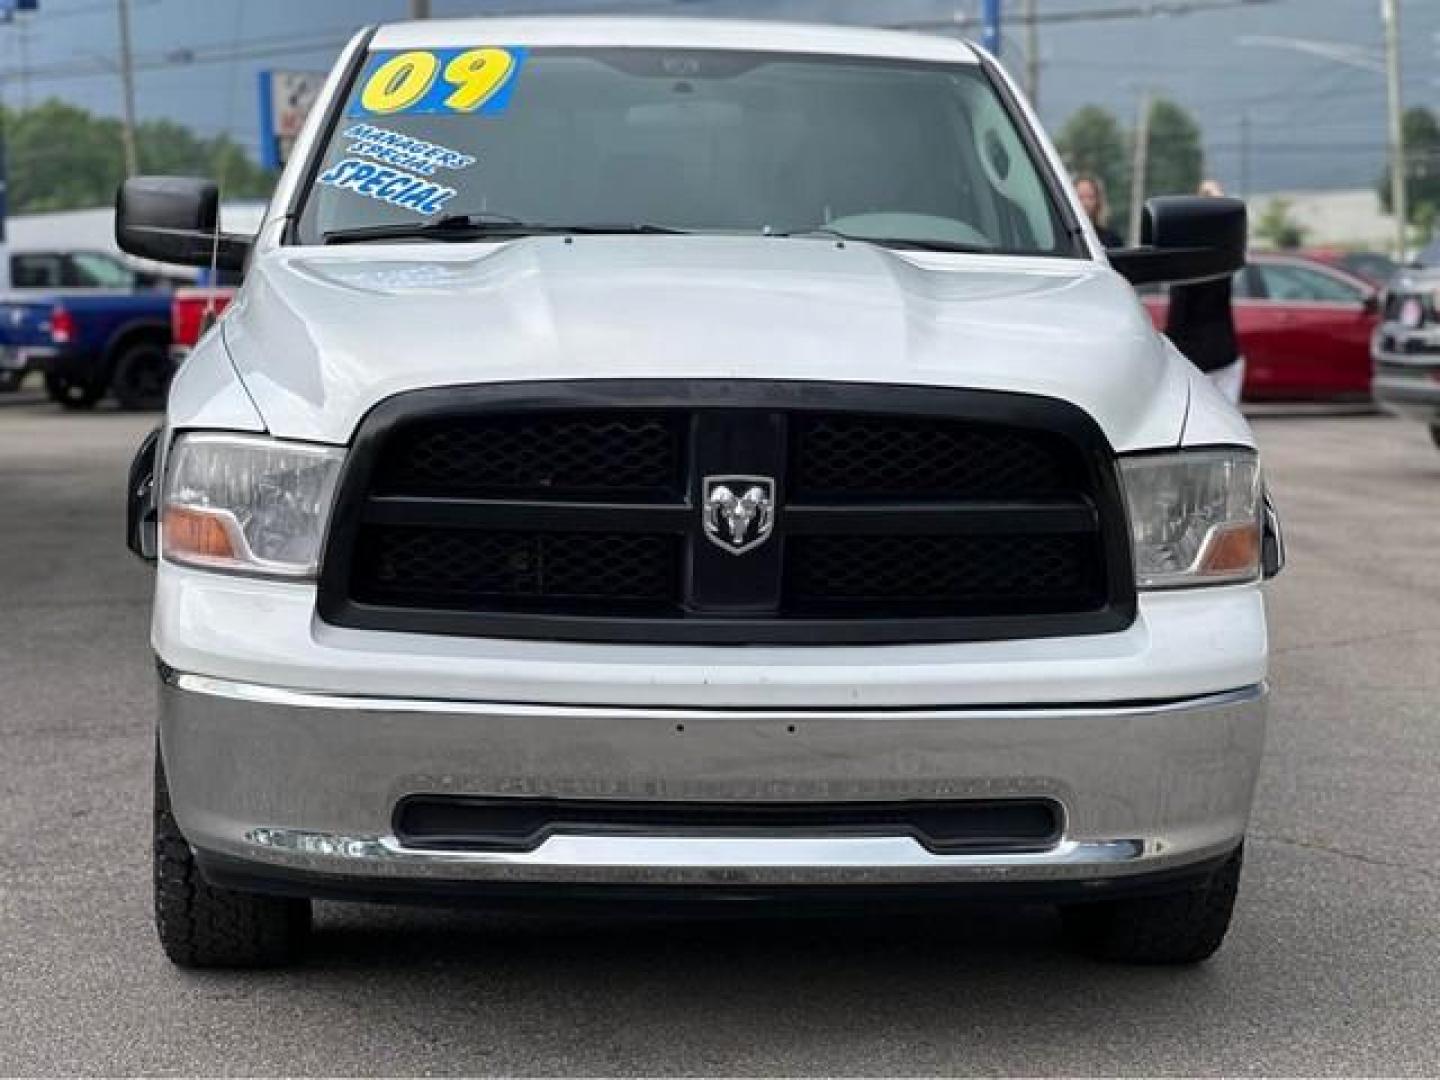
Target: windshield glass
[704,141]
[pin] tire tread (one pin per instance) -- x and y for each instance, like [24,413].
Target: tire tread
[1185,926]
[201,926]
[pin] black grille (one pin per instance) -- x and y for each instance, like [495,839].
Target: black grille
[557,455]
[458,567]
[971,574]
[887,457]
[573,512]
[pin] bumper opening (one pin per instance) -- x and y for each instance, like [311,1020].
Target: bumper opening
[460,823]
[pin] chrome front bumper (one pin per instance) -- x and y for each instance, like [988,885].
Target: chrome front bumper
[1408,384]
[307,783]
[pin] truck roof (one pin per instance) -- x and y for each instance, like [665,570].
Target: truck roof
[675,33]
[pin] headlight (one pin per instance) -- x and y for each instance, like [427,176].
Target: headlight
[241,502]
[1195,517]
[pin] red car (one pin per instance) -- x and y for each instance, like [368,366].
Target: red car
[1304,329]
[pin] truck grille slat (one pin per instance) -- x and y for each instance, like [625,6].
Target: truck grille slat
[890,458]
[548,454]
[465,566]
[979,574]
[900,515]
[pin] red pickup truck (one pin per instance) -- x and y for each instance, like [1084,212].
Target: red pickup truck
[192,310]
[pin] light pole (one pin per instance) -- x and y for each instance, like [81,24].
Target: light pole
[1399,201]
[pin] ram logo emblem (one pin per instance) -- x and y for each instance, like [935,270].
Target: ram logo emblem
[739,511]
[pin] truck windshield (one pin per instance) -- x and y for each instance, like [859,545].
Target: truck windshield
[453,144]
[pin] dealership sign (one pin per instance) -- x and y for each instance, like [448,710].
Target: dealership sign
[286,98]
[9,8]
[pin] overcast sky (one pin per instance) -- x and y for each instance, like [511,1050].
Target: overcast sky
[1313,123]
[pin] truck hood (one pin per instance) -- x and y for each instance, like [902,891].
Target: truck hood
[321,336]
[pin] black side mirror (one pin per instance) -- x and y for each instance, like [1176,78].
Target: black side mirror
[140,500]
[176,219]
[1186,239]
[1272,542]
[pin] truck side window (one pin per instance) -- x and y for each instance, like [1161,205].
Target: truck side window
[91,270]
[35,272]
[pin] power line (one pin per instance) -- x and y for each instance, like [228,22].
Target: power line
[175,58]
[1151,9]
[97,8]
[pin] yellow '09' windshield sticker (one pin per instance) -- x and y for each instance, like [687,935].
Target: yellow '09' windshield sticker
[430,82]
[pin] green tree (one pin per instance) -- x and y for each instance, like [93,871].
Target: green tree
[63,158]
[1177,158]
[1422,173]
[1278,228]
[1092,141]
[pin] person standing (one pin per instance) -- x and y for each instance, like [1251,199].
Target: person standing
[1202,326]
[1091,191]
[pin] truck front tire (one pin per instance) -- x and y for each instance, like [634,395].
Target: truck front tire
[201,926]
[73,393]
[1184,926]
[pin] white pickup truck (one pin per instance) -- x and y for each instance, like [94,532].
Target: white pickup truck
[667,461]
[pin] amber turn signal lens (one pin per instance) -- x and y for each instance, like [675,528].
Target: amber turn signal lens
[1234,549]
[197,534]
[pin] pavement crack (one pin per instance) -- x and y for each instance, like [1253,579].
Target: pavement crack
[1369,860]
[1358,639]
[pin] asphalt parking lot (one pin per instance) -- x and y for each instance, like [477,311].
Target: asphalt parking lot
[1333,965]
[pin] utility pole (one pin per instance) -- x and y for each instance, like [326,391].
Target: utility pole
[9,11]
[1139,165]
[23,40]
[1390,15]
[127,91]
[1032,53]
[1244,153]
[419,9]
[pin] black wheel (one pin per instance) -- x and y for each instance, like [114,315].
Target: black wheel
[201,926]
[1180,927]
[1435,433]
[142,376]
[73,393]
[10,380]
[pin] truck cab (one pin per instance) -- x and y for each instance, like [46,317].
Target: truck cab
[697,462]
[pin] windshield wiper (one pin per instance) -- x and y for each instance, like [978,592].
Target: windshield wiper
[486,225]
[899,242]
[908,243]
